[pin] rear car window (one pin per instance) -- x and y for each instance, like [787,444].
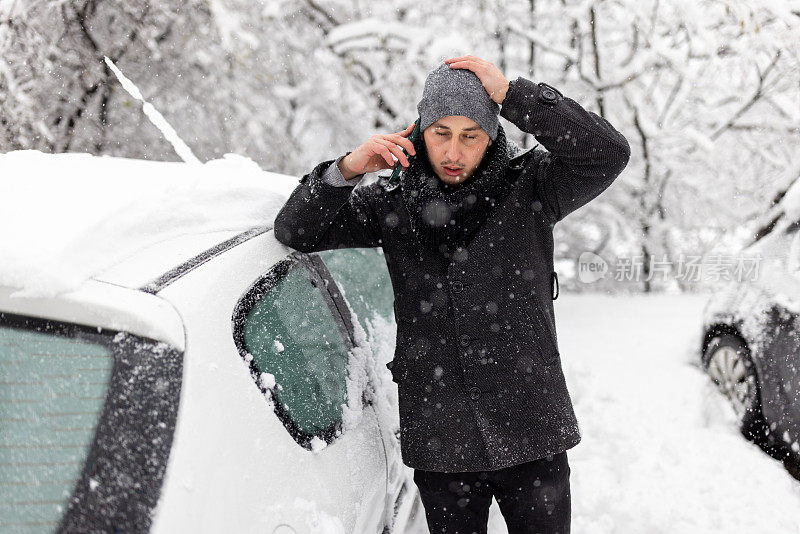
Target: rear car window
[52,391]
[87,416]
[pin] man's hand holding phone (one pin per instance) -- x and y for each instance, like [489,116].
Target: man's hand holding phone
[376,154]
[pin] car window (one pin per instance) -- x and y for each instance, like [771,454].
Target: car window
[296,350]
[52,392]
[365,281]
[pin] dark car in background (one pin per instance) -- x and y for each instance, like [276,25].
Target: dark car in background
[750,342]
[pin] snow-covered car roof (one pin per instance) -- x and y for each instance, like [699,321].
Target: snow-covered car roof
[69,218]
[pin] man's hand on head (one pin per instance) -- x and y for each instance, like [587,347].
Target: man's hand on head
[490,76]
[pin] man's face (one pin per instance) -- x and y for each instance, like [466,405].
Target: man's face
[455,145]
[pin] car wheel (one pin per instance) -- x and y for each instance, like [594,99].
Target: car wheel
[727,361]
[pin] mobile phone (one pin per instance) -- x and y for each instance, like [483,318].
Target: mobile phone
[399,166]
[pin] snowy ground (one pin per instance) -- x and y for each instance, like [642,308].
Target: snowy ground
[660,451]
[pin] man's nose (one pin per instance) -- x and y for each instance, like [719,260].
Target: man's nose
[453,152]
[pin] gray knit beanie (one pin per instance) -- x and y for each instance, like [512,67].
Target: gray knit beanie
[451,91]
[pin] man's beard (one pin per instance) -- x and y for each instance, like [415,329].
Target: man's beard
[447,215]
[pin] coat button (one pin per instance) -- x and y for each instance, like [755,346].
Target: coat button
[475,393]
[464,340]
[548,95]
[457,286]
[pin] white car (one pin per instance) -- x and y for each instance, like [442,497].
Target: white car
[212,381]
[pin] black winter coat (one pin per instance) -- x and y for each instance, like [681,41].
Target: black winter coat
[477,363]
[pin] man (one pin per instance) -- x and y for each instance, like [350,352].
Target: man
[468,240]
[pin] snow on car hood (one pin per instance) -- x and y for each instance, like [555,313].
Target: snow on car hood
[66,217]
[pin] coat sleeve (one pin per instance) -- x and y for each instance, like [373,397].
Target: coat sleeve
[586,152]
[320,216]
[333,175]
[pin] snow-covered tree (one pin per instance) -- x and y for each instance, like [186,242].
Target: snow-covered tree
[707,93]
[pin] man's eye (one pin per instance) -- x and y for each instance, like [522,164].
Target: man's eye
[440,133]
[470,137]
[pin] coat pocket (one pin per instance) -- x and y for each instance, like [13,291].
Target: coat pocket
[547,344]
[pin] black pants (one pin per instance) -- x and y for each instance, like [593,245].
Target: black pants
[533,498]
